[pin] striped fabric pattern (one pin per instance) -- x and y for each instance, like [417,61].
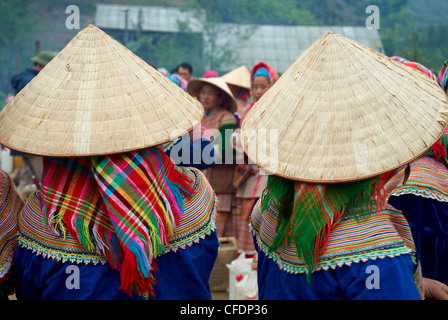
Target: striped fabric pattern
[122,205]
[357,237]
[10,205]
[308,212]
[428,178]
[443,75]
[199,215]
[36,236]
[197,222]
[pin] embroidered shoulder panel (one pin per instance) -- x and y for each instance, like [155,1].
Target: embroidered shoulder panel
[428,178]
[352,240]
[197,223]
[10,206]
[36,236]
[199,213]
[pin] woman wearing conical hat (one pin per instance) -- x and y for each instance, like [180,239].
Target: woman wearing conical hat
[249,180]
[115,218]
[239,84]
[335,134]
[420,191]
[193,149]
[219,106]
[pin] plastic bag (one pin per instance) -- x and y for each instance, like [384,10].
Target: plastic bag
[240,265]
[251,286]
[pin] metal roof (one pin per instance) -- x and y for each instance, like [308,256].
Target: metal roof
[162,19]
[277,45]
[280,46]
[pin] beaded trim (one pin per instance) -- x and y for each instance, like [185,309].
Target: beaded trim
[353,240]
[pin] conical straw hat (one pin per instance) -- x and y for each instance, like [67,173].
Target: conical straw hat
[239,77]
[96,97]
[194,87]
[343,112]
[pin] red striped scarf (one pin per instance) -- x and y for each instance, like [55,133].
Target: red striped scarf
[123,206]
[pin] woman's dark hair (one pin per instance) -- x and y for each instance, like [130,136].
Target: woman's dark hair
[186,65]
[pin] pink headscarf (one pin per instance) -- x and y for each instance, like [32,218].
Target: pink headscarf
[210,74]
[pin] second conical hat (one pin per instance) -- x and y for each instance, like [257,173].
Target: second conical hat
[343,112]
[239,77]
[96,97]
[195,85]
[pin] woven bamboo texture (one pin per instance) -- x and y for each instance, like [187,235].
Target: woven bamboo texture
[343,112]
[239,77]
[96,97]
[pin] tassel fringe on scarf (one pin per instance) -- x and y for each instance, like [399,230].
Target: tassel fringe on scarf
[122,206]
[307,212]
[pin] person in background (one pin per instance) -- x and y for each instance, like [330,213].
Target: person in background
[219,106]
[239,82]
[263,77]
[210,74]
[29,173]
[185,70]
[201,154]
[420,191]
[19,81]
[249,180]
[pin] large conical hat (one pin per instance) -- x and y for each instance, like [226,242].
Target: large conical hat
[239,77]
[96,97]
[343,112]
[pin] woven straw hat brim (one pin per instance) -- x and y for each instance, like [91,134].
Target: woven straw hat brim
[343,112]
[96,97]
[239,77]
[194,87]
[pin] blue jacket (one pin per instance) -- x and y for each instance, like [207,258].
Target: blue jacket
[20,80]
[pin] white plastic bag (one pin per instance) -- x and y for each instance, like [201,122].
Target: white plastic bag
[240,265]
[6,160]
[240,287]
[251,286]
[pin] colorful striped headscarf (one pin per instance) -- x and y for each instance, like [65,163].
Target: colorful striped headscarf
[422,68]
[399,59]
[122,206]
[307,212]
[271,74]
[10,206]
[443,76]
[261,68]
[415,65]
[164,71]
[177,79]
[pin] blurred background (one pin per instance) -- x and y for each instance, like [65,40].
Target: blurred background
[222,34]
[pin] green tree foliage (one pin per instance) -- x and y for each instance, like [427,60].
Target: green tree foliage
[414,29]
[169,50]
[18,28]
